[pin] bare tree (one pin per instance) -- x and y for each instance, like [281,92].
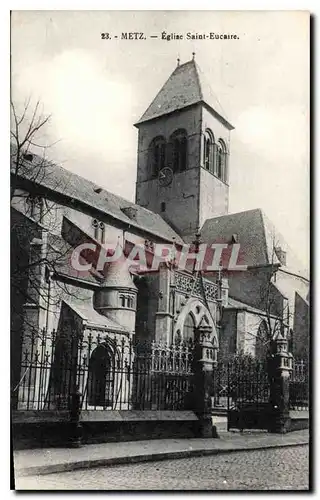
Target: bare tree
[38,253]
[276,313]
[35,254]
[25,130]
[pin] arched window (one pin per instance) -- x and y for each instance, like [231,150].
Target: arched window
[101,377]
[178,146]
[95,224]
[208,151]
[157,155]
[102,232]
[130,302]
[221,161]
[99,230]
[188,328]
[126,301]
[262,341]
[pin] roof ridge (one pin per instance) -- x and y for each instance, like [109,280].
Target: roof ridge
[204,81]
[197,68]
[232,214]
[158,93]
[158,226]
[266,241]
[186,86]
[301,270]
[243,303]
[53,164]
[185,63]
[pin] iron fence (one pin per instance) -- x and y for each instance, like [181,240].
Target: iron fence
[239,381]
[241,389]
[110,373]
[244,380]
[299,385]
[117,373]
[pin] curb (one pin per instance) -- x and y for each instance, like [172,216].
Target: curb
[105,462]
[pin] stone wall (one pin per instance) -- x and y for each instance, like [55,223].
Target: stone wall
[194,195]
[181,196]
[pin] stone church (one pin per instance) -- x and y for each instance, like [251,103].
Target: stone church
[182,190]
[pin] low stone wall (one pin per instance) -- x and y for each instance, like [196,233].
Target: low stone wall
[297,424]
[102,426]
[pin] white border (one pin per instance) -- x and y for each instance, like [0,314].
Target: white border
[310,5]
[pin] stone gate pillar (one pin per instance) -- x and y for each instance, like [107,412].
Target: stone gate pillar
[281,366]
[164,315]
[205,358]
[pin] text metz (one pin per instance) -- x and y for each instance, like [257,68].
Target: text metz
[132,35]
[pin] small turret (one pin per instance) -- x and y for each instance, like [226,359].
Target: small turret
[117,298]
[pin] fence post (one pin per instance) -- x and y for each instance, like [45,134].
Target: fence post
[205,357]
[281,366]
[76,427]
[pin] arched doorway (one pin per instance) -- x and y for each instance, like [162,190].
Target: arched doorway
[188,328]
[101,377]
[191,315]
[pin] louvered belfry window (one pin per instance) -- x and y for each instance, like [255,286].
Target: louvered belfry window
[179,150]
[157,155]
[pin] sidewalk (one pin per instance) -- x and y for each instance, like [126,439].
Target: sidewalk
[46,461]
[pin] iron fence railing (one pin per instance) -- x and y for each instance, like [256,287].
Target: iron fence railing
[118,373]
[111,373]
[239,381]
[299,385]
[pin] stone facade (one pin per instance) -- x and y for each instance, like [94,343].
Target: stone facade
[195,194]
[168,305]
[182,196]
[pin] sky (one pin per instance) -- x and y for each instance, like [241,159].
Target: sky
[95,90]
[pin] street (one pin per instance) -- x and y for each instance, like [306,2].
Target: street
[283,468]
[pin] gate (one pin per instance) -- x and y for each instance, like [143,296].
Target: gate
[241,388]
[299,386]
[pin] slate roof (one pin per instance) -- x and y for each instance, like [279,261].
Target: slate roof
[185,86]
[257,237]
[62,261]
[60,180]
[118,276]
[92,318]
[237,304]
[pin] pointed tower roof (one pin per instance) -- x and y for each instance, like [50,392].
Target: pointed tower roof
[185,86]
[118,276]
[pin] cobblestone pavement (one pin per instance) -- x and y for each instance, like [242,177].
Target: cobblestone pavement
[268,469]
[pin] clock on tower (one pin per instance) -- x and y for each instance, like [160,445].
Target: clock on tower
[183,150]
[165,176]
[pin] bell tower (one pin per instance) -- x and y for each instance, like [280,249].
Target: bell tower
[183,152]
